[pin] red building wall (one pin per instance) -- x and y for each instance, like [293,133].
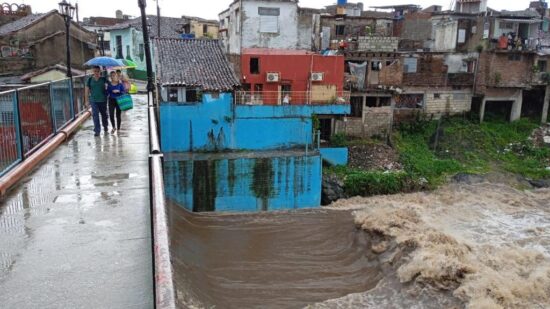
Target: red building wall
[295,68]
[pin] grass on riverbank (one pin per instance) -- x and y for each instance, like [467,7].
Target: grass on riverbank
[430,155]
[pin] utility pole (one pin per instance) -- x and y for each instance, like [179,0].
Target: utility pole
[158,19]
[146,43]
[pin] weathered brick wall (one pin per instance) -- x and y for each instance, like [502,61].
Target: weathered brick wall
[377,121]
[16,65]
[447,102]
[392,75]
[350,127]
[432,71]
[496,69]
[379,44]
[416,27]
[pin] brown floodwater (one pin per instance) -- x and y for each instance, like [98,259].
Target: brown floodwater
[268,260]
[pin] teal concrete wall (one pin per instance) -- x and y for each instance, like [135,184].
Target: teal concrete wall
[335,156]
[216,124]
[262,183]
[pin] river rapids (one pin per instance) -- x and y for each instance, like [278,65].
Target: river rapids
[462,246]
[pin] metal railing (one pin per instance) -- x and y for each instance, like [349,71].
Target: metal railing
[30,116]
[163,284]
[292,97]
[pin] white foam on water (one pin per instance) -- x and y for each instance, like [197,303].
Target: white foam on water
[488,245]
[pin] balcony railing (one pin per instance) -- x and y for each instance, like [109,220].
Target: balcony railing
[292,97]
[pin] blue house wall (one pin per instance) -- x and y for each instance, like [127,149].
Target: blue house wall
[223,157]
[217,124]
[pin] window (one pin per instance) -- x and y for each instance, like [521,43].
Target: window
[141,52]
[385,101]
[187,29]
[437,95]
[356,107]
[269,23]
[204,29]
[128,52]
[258,87]
[372,102]
[459,96]
[340,29]
[119,47]
[542,65]
[265,11]
[245,87]
[237,21]
[254,66]
[376,65]
[514,57]
[410,65]
[191,95]
[172,94]
[506,25]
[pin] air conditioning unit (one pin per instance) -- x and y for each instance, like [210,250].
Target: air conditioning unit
[317,76]
[273,77]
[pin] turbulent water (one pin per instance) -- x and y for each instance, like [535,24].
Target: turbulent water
[483,246]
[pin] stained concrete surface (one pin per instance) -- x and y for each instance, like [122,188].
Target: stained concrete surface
[76,232]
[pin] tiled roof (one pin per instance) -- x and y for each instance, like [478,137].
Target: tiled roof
[519,14]
[196,63]
[169,26]
[21,23]
[57,67]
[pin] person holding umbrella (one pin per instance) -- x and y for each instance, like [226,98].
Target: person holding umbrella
[115,90]
[96,96]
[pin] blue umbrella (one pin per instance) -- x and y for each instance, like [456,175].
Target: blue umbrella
[104,62]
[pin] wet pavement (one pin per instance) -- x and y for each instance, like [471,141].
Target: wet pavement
[76,232]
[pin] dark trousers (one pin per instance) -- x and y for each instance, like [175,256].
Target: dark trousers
[113,106]
[99,108]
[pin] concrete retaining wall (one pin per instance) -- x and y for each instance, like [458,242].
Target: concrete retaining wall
[261,183]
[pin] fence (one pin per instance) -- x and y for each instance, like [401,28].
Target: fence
[325,97]
[163,285]
[30,116]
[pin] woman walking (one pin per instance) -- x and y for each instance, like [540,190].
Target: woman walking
[115,90]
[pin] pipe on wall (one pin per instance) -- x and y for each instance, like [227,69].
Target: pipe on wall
[20,171]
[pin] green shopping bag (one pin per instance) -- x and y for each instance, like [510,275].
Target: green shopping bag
[125,102]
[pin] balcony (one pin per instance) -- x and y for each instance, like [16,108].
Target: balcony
[328,97]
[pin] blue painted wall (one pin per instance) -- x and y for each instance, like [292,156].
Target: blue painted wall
[245,184]
[216,124]
[335,156]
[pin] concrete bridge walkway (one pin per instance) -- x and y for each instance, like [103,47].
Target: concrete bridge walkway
[76,232]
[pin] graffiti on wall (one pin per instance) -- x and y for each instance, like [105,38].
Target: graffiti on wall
[13,51]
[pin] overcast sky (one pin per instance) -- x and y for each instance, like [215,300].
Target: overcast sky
[210,8]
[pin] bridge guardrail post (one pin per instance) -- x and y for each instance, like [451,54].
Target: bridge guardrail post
[18,127]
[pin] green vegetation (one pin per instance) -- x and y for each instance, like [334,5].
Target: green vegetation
[365,183]
[494,146]
[432,151]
